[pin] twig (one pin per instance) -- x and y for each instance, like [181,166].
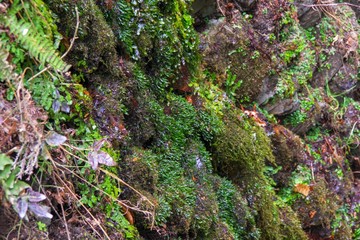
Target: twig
[87,210]
[327,4]
[75,33]
[219,7]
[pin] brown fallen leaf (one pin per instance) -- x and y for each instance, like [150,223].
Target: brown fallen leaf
[304,189]
[312,213]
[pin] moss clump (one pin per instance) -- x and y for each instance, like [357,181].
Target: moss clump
[288,150]
[241,151]
[234,211]
[328,218]
[94,50]
[159,36]
[241,148]
[226,48]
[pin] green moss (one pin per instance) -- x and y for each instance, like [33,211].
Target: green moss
[226,48]
[159,36]
[234,211]
[95,46]
[242,144]
[241,151]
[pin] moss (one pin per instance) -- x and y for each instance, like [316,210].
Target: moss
[241,151]
[234,211]
[328,218]
[94,50]
[159,36]
[290,225]
[241,148]
[288,150]
[226,47]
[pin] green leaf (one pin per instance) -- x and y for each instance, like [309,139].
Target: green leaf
[19,186]
[11,180]
[4,160]
[5,173]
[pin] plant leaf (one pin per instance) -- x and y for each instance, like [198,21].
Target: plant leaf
[55,139]
[33,196]
[4,160]
[5,172]
[21,207]
[92,157]
[304,189]
[18,187]
[100,157]
[98,144]
[56,106]
[39,210]
[105,158]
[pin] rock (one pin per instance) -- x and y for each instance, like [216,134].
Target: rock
[288,150]
[246,5]
[236,48]
[203,8]
[338,62]
[282,107]
[322,75]
[308,16]
[268,90]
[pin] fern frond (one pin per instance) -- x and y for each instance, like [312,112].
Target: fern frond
[38,46]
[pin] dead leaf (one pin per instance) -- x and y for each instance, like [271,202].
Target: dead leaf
[304,189]
[312,214]
[55,139]
[100,157]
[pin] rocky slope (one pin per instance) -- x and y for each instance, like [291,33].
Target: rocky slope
[180,120]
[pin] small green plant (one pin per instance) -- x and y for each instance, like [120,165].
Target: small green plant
[255,55]
[8,180]
[41,226]
[232,84]
[240,50]
[301,175]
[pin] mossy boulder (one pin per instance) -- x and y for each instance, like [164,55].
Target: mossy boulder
[94,48]
[338,62]
[321,211]
[240,154]
[229,48]
[289,151]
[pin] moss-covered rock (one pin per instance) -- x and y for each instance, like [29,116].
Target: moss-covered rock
[241,151]
[289,151]
[232,49]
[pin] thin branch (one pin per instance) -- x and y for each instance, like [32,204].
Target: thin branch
[327,4]
[75,33]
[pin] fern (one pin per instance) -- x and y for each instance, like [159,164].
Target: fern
[38,46]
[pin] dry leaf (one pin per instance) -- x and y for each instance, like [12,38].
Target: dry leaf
[312,213]
[304,189]
[55,139]
[100,157]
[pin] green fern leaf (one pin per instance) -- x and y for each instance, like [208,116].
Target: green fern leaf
[38,46]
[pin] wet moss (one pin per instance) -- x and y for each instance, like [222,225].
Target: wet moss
[160,37]
[241,151]
[226,47]
[322,214]
[288,150]
[94,48]
[241,148]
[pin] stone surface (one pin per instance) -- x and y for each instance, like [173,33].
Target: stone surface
[308,16]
